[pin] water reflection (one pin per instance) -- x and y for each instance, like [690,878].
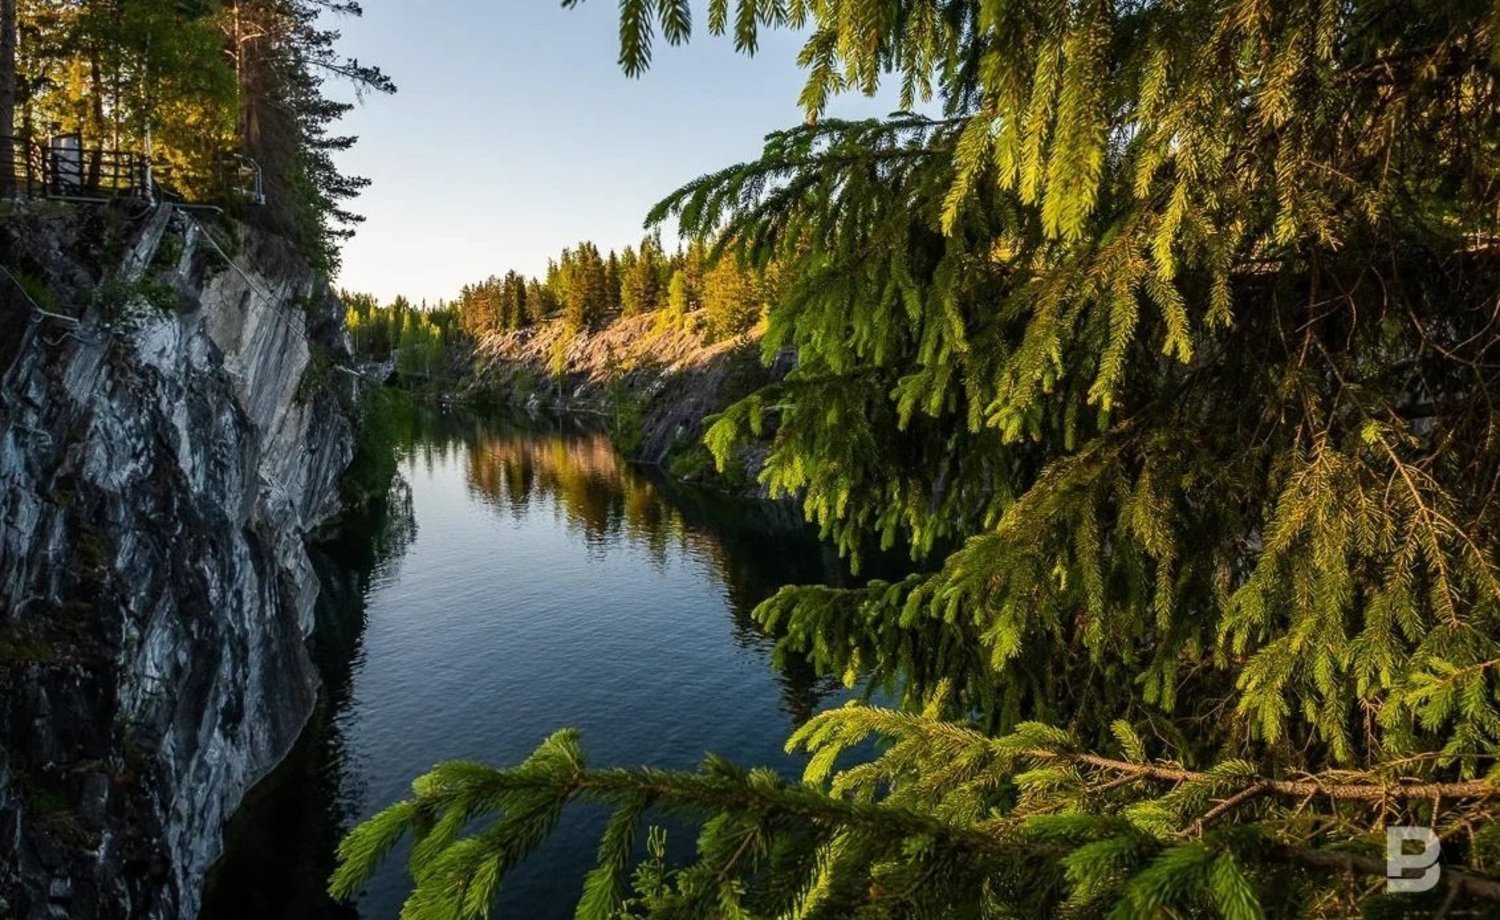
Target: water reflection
[517,578]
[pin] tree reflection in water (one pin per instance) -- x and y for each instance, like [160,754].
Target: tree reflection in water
[279,849]
[752,547]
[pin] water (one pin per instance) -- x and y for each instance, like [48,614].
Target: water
[515,582]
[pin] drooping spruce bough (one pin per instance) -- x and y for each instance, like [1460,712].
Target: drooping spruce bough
[1176,333]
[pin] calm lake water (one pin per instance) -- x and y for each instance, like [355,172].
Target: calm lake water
[517,581]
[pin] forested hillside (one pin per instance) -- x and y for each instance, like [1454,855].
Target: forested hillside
[646,342]
[1173,338]
[196,87]
[582,290]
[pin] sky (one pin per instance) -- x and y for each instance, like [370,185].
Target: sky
[514,133]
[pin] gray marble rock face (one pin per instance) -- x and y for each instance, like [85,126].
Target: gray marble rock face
[161,466]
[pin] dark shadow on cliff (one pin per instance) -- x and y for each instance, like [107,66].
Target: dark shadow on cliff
[279,847]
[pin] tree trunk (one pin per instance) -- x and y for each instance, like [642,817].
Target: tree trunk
[7,96]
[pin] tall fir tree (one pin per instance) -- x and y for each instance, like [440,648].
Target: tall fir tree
[514,299]
[584,277]
[612,284]
[540,302]
[731,299]
[641,287]
[1173,339]
[283,54]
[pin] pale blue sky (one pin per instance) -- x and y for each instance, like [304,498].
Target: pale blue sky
[515,133]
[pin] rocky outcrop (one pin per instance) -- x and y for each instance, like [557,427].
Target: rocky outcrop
[163,455]
[652,375]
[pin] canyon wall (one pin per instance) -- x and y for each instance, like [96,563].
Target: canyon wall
[174,426]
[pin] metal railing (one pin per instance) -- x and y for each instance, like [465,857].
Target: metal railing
[242,180]
[62,167]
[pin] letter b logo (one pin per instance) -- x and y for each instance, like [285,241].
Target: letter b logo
[1410,872]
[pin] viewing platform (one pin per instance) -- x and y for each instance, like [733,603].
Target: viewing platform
[62,167]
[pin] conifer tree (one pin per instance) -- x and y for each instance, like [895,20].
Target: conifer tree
[641,288]
[540,302]
[628,261]
[557,277]
[679,296]
[9,34]
[283,54]
[1172,340]
[514,299]
[612,284]
[731,299]
[480,307]
[584,279]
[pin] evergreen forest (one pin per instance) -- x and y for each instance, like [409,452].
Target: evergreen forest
[581,288]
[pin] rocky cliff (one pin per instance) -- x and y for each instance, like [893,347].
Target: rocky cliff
[171,429]
[652,377]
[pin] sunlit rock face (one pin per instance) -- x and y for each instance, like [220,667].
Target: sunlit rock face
[161,465]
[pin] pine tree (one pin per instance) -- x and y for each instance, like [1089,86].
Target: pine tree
[628,261]
[731,300]
[679,296]
[540,302]
[9,34]
[283,55]
[478,307]
[1172,341]
[612,276]
[514,299]
[685,272]
[584,279]
[641,288]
